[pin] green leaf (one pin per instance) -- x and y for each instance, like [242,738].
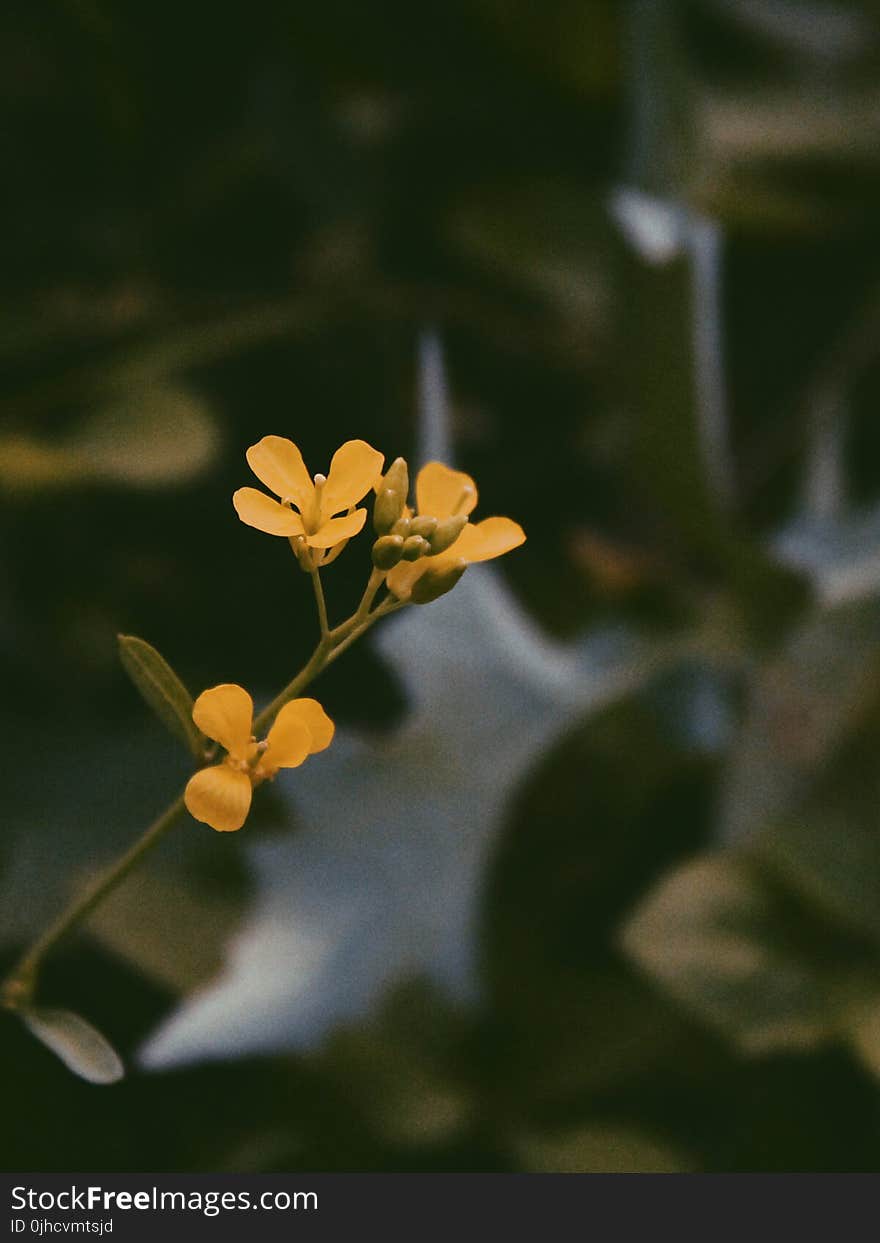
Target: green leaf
[718,938]
[80,1046]
[162,689]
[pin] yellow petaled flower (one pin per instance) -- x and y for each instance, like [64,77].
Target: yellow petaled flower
[443,493]
[307,506]
[221,795]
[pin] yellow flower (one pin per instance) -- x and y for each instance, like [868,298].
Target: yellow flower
[279,465]
[221,795]
[443,493]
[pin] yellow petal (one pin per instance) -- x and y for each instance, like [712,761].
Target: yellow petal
[310,713]
[219,796]
[225,713]
[442,492]
[289,740]
[262,512]
[481,541]
[279,465]
[336,529]
[399,581]
[354,470]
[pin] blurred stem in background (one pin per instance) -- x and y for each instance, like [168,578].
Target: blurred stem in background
[678,254]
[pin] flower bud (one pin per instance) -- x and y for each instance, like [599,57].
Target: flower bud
[397,477]
[387,551]
[435,583]
[401,527]
[387,508]
[391,498]
[446,533]
[423,526]
[414,547]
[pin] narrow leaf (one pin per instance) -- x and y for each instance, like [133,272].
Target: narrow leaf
[80,1046]
[162,689]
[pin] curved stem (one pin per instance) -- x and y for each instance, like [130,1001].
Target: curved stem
[19,987]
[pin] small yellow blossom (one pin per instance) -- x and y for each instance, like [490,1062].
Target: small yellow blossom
[307,506]
[443,493]
[221,795]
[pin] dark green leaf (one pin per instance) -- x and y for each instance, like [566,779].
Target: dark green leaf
[162,689]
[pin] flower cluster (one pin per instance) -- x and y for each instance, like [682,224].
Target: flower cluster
[419,554]
[446,541]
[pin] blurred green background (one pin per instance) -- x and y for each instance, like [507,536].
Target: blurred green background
[644,236]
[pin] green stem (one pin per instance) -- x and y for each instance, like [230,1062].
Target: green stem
[333,644]
[321,602]
[377,578]
[307,674]
[19,987]
[386,607]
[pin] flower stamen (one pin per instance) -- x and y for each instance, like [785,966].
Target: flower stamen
[312,520]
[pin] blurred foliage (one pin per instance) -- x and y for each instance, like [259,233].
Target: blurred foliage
[646,235]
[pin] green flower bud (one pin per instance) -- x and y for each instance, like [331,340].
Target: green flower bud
[401,527]
[423,526]
[387,551]
[387,508]
[415,547]
[397,477]
[391,498]
[435,583]
[446,533]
